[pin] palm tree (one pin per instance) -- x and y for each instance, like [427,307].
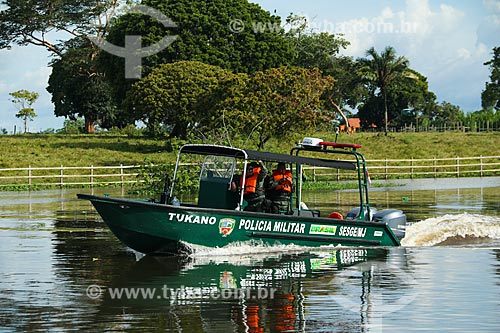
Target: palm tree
[382,69]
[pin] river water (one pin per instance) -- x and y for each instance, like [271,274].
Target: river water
[62,270]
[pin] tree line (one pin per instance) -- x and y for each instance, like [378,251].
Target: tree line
[217,84]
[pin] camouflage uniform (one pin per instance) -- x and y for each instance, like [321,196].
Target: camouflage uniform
[257,200]
[276,193]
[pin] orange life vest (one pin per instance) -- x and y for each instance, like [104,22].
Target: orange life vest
[251,181]
[286,185]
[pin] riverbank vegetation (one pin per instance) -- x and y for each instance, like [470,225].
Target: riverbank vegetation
[215,83]
[50,150]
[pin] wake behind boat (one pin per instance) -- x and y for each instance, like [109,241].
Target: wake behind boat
[218,216]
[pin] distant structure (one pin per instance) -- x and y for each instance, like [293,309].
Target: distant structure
[354,124]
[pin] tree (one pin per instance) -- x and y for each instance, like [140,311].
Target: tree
[24,99]
[276,104]
[79,89]
[76,126]
[205,33]
[490,97]
[382,70]
[32,22]
[408,101]
[449,113]
[349,89]
[176,95]
[321,50]
[313,49]
[482,118]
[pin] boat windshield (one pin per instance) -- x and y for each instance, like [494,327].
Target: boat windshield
[218,167]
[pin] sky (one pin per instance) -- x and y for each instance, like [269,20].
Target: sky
[447,41]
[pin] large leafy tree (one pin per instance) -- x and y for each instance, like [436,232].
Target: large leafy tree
[313,49]
[34,22]
[490,96]
[79,90]
[448,113]
[321,50]
[276,104]
[408,101]
[24,99]
[206,32]
[381,69]
[42,23]
[175,96]
[349,89]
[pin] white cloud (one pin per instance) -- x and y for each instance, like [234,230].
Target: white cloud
[439,40]
[449,17]
[387,13]
[488,31]
[447,41]
[463,53]
[492,5]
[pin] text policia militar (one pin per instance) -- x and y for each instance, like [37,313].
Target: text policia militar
[253,225]
[272,225]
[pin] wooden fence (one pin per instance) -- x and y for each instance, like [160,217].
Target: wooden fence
[378,169]
[68,176]
[417,168]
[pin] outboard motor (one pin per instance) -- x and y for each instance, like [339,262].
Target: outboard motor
[354,213]
[395,218]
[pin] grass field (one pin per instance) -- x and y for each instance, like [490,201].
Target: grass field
[104,150]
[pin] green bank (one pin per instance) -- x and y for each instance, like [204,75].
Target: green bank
[55,161]
[21,151]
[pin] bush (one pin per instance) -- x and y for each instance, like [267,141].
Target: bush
[72,127]
[130,130]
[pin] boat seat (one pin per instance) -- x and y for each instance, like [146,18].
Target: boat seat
[306,212]
[214,193]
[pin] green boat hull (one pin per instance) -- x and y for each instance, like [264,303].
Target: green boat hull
[149,227]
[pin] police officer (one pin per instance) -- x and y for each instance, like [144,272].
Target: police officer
[254,193]
[279,189]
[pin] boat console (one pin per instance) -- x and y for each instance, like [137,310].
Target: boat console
[394,218]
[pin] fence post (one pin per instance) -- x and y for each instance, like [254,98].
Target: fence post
[481,165]
[91,176]
[121,173]
[29,176]
[411,168]
[61,183]
[458,166]
[386,169]
[435,167]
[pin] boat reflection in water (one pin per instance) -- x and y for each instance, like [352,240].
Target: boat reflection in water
[254,293]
